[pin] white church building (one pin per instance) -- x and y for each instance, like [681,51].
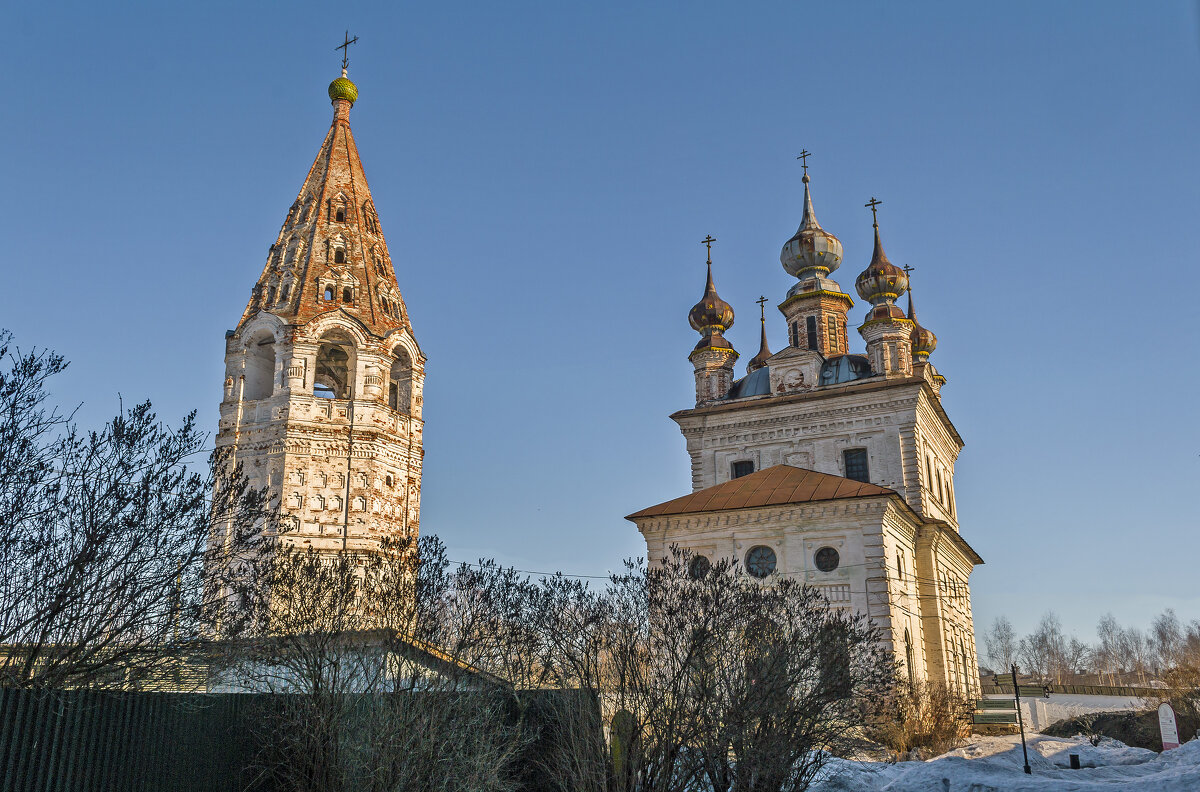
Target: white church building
[828,465]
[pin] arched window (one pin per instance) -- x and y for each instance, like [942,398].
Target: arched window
[271,295]
[339,215]
[259,380]
[329,292]
[334,364]
[339,255]
[347,294]
[400,383]
[388,479]
[285,292]
[909,661]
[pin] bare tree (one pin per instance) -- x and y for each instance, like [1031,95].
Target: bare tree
[1001,643]
[107,572]
[1166,641]
[1042,652]
[717,682]
[366,651]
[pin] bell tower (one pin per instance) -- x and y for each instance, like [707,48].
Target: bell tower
[323,377]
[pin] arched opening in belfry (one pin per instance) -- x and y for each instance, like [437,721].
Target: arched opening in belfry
[400,383]
[335,365]
[259,380]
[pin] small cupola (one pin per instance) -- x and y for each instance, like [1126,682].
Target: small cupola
[923,341]
[812,252]
[712,316]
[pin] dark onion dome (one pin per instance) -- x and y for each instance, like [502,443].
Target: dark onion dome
[711,313]
[881,281]
[923,341]
[764,353]
[756,383]
[812,251]
[844,368]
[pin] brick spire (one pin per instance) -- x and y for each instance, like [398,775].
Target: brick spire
[330,254]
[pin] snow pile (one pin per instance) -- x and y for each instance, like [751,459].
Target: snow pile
[995,764]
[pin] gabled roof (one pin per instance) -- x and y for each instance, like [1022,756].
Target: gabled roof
[773,486]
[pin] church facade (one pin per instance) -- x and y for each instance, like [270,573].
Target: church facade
[830,466]
[323,376]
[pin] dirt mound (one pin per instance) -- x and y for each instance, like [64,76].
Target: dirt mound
[1139,729]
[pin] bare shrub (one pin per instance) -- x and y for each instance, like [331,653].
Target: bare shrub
[927,717]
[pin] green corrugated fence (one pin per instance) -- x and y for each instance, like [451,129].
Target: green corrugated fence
[82,740]
[87,740]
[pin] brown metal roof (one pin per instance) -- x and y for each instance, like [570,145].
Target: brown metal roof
[773,486]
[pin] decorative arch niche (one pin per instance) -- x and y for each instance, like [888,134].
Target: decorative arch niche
[259,382]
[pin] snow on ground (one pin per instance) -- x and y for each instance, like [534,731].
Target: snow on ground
[995,764]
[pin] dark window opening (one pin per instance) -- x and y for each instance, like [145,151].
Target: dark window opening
[347,294]
[742,468]
[271,296]
[340,215]
[856,464]
[388,480]
[339,256]
[827,559]
[393,395]
[795,334]
[283,295]
[810,326]
[699,567]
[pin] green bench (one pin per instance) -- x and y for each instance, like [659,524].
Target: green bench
[995,717]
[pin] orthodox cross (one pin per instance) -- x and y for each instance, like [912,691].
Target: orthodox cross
[907,269]
[762,308]
[707,242]
[345,48]
[873,203]
[804,155]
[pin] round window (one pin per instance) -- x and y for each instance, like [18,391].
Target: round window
[699,567]
[760,561]
[826,559]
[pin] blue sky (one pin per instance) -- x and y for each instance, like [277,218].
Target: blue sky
[544,173]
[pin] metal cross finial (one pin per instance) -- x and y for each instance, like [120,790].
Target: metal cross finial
[804,155]
[873,203]
[707,242]
[345,48]
[762,308]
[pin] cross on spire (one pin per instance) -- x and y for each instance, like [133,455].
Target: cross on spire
[345,48]
[707,242]
[907,269]
[804,155]
[762,308]
[872,204]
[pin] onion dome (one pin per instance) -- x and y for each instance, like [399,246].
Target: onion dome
[342,88]
[882,281]
[711,316]
[923,341]
[812,251]
[764,351]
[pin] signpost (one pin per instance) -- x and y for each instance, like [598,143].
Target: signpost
[1168,727]
[1020,722]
